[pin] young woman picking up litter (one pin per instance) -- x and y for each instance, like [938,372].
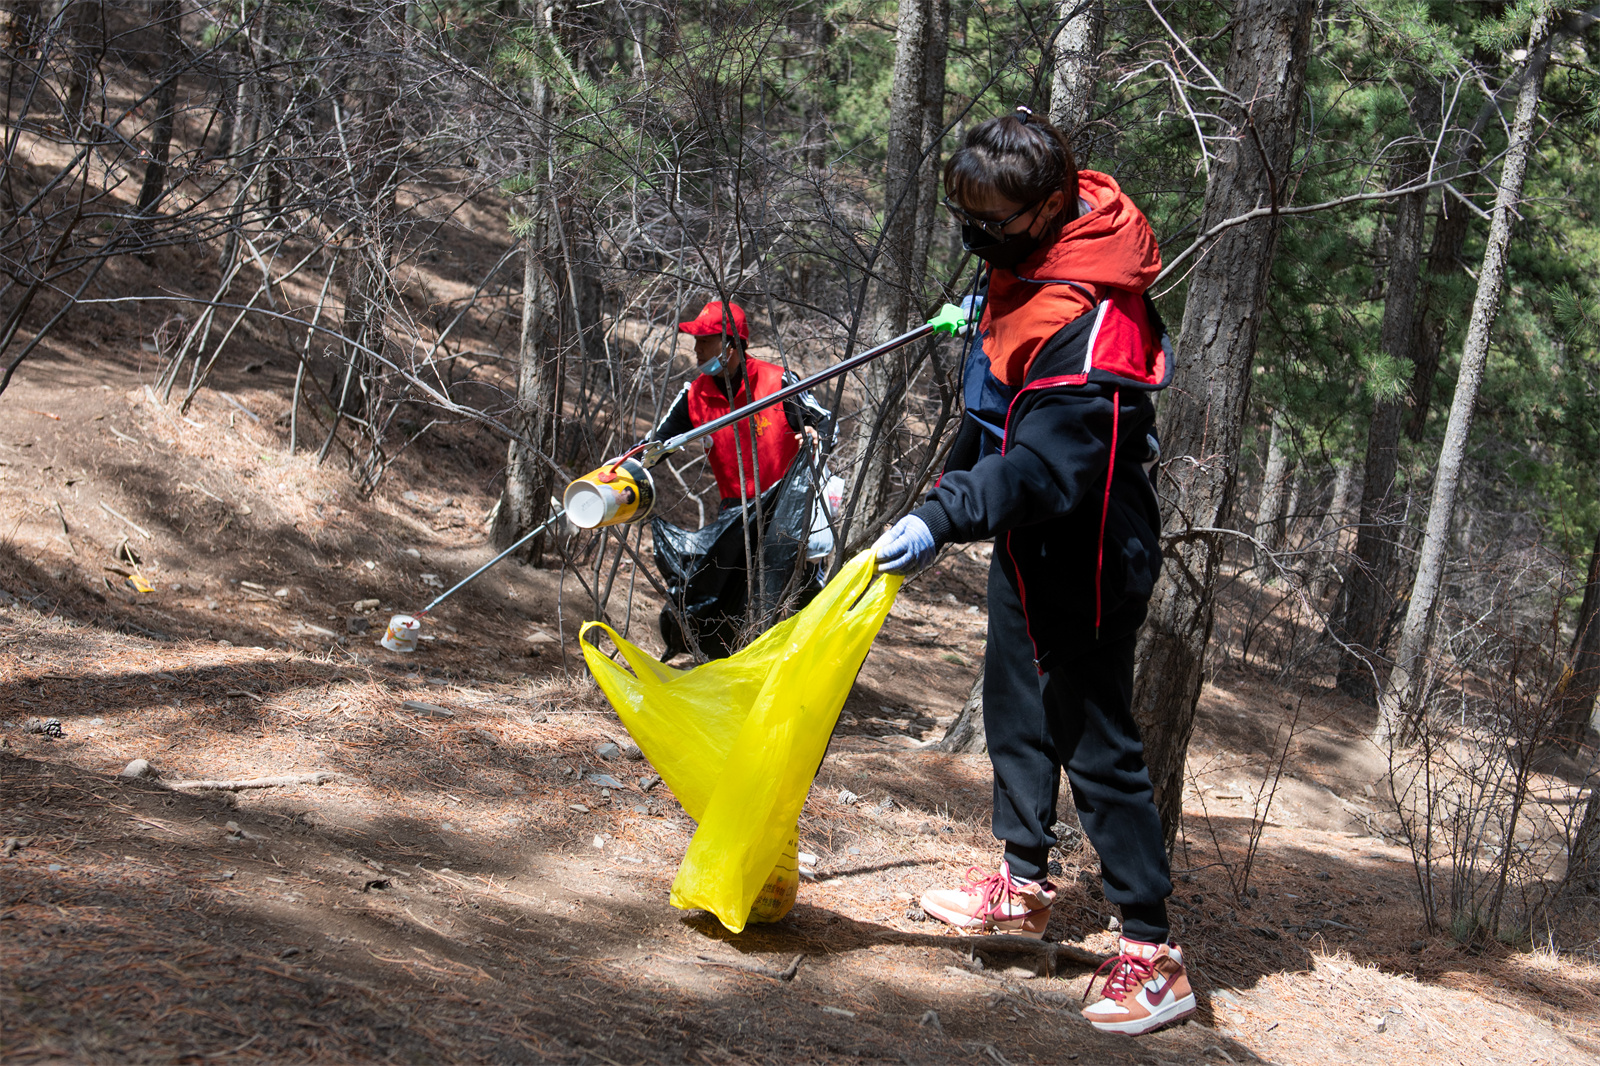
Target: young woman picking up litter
[1053,462]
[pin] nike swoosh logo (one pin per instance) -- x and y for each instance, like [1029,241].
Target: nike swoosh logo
[1159,994]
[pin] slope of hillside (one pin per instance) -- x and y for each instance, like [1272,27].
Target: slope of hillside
[460,888]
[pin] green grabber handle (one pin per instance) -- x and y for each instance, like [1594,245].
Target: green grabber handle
[949,320]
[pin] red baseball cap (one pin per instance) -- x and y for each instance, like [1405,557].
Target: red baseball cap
[711,322]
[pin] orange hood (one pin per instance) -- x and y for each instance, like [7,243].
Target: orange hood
[1109,247]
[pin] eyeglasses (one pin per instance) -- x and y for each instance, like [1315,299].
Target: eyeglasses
[992,228]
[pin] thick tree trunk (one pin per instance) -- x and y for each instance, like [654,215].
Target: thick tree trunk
[1402,694]
[900,274]
[1202,416]
[1077,62]
[1581,684]
[1369,589]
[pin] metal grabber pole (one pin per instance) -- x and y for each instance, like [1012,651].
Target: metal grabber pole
[447,593]
[622,491]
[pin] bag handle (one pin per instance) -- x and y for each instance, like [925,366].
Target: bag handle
[646,668]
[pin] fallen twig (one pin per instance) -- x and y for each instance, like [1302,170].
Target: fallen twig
[785,974]
[108,509]
[320,777]
[248,413]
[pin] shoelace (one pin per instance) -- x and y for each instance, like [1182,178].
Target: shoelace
[993,890]
[1128,974]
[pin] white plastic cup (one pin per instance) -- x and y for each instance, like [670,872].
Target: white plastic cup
[402,633]
[590,506]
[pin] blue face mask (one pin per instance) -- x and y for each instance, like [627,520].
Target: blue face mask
[713,368]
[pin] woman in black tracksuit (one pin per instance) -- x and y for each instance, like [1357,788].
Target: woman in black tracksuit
[1052,463]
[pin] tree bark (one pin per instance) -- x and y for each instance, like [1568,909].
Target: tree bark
[1403,693]
[1580,685]
[1077,61]
[168,15]
[1367,597]
[908,196]
[966,734]
[933,89]
[1274,488]
[1202,416]
[1583,862]
[900,276]
[530,472]
[83,24]
[1449,238]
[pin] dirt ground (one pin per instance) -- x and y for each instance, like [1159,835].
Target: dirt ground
[460,889]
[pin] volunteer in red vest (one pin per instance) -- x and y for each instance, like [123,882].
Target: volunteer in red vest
[761,447]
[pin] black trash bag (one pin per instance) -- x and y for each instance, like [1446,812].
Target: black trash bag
[708,580]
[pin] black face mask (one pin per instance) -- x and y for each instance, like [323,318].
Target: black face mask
[1004,252]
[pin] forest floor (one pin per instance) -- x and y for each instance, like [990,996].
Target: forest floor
[462,890]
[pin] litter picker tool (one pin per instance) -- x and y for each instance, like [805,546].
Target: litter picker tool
[622,490]
[404,628]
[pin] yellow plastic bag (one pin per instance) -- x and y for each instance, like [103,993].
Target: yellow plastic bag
[739,740]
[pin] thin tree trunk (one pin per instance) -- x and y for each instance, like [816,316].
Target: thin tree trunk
[1274,488]
[1583,863]
[936,40]
[1369,590]
[82,25]
[167,14]
[530,476]
[966,734]
[372,138]
[1580,685]
[1449,238]
[1202,416]
[1077,61]
[1402,695]
[1330,533]
[919,48]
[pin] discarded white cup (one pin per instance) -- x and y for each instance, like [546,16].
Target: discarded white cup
[402,633]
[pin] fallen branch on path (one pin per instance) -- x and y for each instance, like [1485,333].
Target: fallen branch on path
[114,513]
[785,974]
[320,777]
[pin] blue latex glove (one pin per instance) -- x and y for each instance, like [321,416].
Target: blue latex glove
[906,548]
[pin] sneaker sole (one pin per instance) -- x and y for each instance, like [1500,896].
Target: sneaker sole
[1175,1012]
[967,925]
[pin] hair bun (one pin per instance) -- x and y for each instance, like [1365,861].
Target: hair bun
[1024,113]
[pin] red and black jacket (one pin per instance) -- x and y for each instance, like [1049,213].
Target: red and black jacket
[1067,499]
[706,397]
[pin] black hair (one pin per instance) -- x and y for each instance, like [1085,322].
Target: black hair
[1019,156]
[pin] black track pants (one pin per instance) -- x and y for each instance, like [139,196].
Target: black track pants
[1078,715]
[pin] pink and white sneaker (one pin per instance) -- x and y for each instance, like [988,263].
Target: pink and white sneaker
[1146,989]
[992,903]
